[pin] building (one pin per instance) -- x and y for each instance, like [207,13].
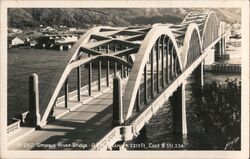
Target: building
[14,42]
[14,30]
[64,42]
[48,30]
[60,42]
[45,41]
[72,29]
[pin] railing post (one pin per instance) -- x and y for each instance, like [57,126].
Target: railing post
[79,83]
[33,116]
[117,102]
[66,93]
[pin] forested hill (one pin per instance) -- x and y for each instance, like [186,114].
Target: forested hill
[33,17]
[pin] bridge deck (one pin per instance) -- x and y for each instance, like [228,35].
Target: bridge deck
[76,130]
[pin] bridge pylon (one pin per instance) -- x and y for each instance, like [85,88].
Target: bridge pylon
[199,74]
[178,103]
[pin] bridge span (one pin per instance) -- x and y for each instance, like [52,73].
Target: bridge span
[150,65]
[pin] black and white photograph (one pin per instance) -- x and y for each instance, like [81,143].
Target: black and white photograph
[125,79]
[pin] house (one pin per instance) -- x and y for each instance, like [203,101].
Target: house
[72,29]
[48,29]
[14,42]
[65,39]
[64,42]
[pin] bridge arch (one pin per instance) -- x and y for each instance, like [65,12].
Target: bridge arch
[186,17]
[153,37]
[72,61]
[198,32]
[210,30]
[192,44]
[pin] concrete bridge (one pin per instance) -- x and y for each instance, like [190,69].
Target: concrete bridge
[149,67]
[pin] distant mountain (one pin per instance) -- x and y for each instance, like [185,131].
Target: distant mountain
[85,17]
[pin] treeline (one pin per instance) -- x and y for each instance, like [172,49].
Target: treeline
[216,113]
[85,17]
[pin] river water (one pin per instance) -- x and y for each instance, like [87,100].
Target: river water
[22,62]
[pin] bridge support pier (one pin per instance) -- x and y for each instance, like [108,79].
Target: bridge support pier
[117,102]
[179,110]
[223,45]
[33,116]
[220,52]
[199,74]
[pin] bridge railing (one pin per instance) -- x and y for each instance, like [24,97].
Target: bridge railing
[84,89]
[13,127]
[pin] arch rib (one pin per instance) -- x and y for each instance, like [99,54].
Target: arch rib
[139,64]
[210,14]
[192,27]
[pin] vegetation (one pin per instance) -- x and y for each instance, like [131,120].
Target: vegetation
[217,114]
[86,17]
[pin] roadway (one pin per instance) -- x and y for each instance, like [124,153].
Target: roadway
[76,130]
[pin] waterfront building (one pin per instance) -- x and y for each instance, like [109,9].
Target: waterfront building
[72,29]
[59,42]
[14,42]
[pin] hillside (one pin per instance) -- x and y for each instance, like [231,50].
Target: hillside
[33,17]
